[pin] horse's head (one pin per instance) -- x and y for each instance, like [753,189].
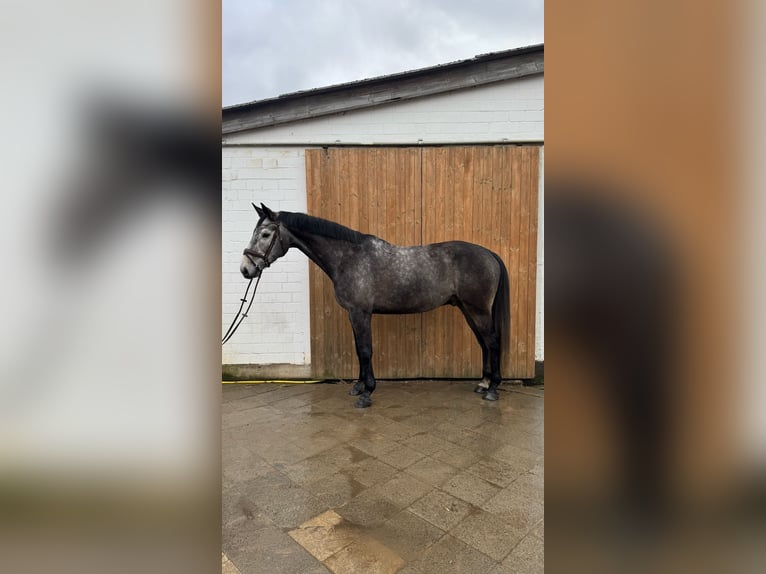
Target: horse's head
[266,245]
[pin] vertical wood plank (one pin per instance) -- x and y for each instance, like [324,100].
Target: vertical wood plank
[403,171]
[335,334]
[381,343]
[344,342]
[461,342]
[505,242]
[351,220]
[346,217]
[429,228]
[514,257]
[341,170]
[438,315]
[326,204]
[448,331]
[523,260]
[320,313]
[395,321]
[480,224]
[400,210]
[376,208]
[471,177]
[313,190]
[386,325]
[413,324]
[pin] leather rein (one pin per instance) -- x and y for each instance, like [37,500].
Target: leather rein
[250,254]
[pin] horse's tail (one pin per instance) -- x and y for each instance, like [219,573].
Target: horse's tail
[501,308]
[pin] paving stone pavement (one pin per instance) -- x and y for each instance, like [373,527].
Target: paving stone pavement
[430,479]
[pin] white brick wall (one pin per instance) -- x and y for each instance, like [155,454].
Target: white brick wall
[277,329]
[270,168]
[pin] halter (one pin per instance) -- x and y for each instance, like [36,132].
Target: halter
[249,253]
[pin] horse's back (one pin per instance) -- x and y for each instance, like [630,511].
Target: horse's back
[467,258]
[396,279]
[448,261]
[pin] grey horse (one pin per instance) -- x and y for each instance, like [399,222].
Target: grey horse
[371,275]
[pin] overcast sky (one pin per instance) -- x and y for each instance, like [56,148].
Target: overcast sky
[273,47]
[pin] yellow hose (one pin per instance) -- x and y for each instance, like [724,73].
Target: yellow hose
[293,382]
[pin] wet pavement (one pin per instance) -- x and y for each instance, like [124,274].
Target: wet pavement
[430,479]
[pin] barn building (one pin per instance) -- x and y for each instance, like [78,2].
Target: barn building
[449,152]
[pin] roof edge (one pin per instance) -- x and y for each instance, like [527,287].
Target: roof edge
[479,70]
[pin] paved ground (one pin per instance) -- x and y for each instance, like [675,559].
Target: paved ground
[430,479]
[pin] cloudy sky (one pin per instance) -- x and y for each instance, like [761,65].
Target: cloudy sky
[273,47]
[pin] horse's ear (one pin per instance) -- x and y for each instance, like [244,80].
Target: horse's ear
[259,211]
[268,213]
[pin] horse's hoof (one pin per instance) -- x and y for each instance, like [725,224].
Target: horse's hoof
[491,396]
[480,389]
[356,390]
[363,402]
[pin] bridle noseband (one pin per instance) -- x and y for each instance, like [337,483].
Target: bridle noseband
[249,253]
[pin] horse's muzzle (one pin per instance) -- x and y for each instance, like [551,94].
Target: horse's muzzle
[250,275]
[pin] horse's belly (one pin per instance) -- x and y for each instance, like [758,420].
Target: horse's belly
[402,310]
[407,299]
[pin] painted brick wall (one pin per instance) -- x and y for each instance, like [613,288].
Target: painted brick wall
[277,329]
[506,111]
[269,167]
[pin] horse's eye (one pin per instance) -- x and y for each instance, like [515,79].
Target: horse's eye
[266,234]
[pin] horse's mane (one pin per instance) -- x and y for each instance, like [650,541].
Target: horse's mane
[318,226]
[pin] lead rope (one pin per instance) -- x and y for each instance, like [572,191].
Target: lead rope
[240,316]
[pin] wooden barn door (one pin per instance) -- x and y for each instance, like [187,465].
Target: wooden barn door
[376,191]
[486,195]
[408,196]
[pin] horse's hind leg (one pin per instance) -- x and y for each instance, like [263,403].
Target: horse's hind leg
[484,383]
[494,369]
[364,387]
[482,327]
[485,370]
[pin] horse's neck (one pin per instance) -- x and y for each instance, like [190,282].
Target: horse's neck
[324,251]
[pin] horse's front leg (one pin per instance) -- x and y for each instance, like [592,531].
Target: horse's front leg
[364,387]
